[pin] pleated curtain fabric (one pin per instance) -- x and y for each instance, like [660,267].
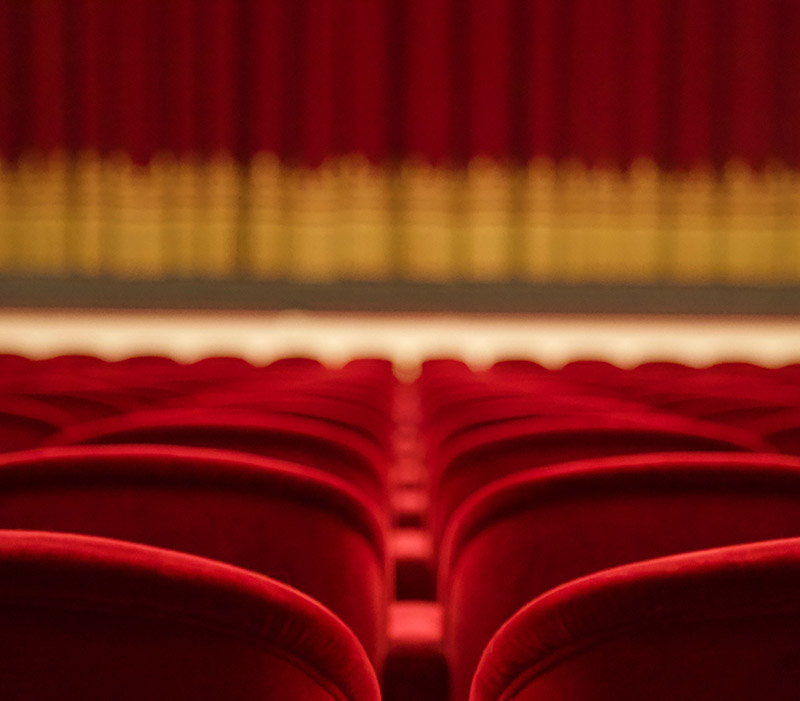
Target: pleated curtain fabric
[547,140]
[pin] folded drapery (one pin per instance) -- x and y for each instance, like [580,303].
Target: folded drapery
[589,140]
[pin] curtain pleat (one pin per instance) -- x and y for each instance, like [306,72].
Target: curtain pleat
[489,73]
[422,139]
[368,36]
[649,74]
[603,82]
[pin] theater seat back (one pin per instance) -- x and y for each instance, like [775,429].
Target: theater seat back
[296,525]
[536,530]
[717,625]
[484,455]
[92,618]
[296,439]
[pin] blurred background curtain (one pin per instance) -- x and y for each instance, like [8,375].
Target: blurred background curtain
[563,140]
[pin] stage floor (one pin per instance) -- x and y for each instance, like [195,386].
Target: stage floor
[407,339]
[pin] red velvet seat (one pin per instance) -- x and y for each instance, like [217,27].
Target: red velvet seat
[517,366]
[704,405]
[350,417]
[297,364]
[93,618]
[70,363]
[781,429]
[149,363]
[716,625]
[297,525]
[322,384]
[535,530]
[495,410]
[746,414]
[486,454]
[82,405]
[592,372]
[219,367]
[12,362]
[296,439]
[25,422]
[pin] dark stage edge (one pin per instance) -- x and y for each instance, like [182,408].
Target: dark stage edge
[480,297]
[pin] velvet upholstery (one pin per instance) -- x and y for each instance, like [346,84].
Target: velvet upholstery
[94,618]
[535,530]
[293,438]
[295,524]
[358,419]
[82,405]
[492,411]
[716,625]
[781,429]
[483,455]
[25,422]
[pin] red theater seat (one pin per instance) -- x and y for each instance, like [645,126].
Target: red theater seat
[70,363]
[149,363]
[716,625]
[486,454]
[293,438]
[296,364]
[82,405]
[781,429]
[25,422]
[518,365]
[495,410]
[295,524]
[218,368]
[92,618]
[351,417]
[535,530]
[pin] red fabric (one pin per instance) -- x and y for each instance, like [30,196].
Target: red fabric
[294,524]
[96,618]
[715,624]
[546,46]
[353,418]
[597,74]
[293,438]
[466,417]
[481,456]
[787,131]
[218,32]
[370,33]
[416,667]
[685,83]
[48,85]
[427,86]
[753,81]
[180,126]
[533,531]
[82,405]
[414,572]
[140,115]
[318,83]
[781,429]
[8,138]
[648,110]
[25,422]
[701,41]
[489,77]
[262,46]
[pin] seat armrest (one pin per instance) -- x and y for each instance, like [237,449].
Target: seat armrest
[416,667]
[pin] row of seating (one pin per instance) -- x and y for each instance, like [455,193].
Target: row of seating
[538,477]
[470,530]
[213,530]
